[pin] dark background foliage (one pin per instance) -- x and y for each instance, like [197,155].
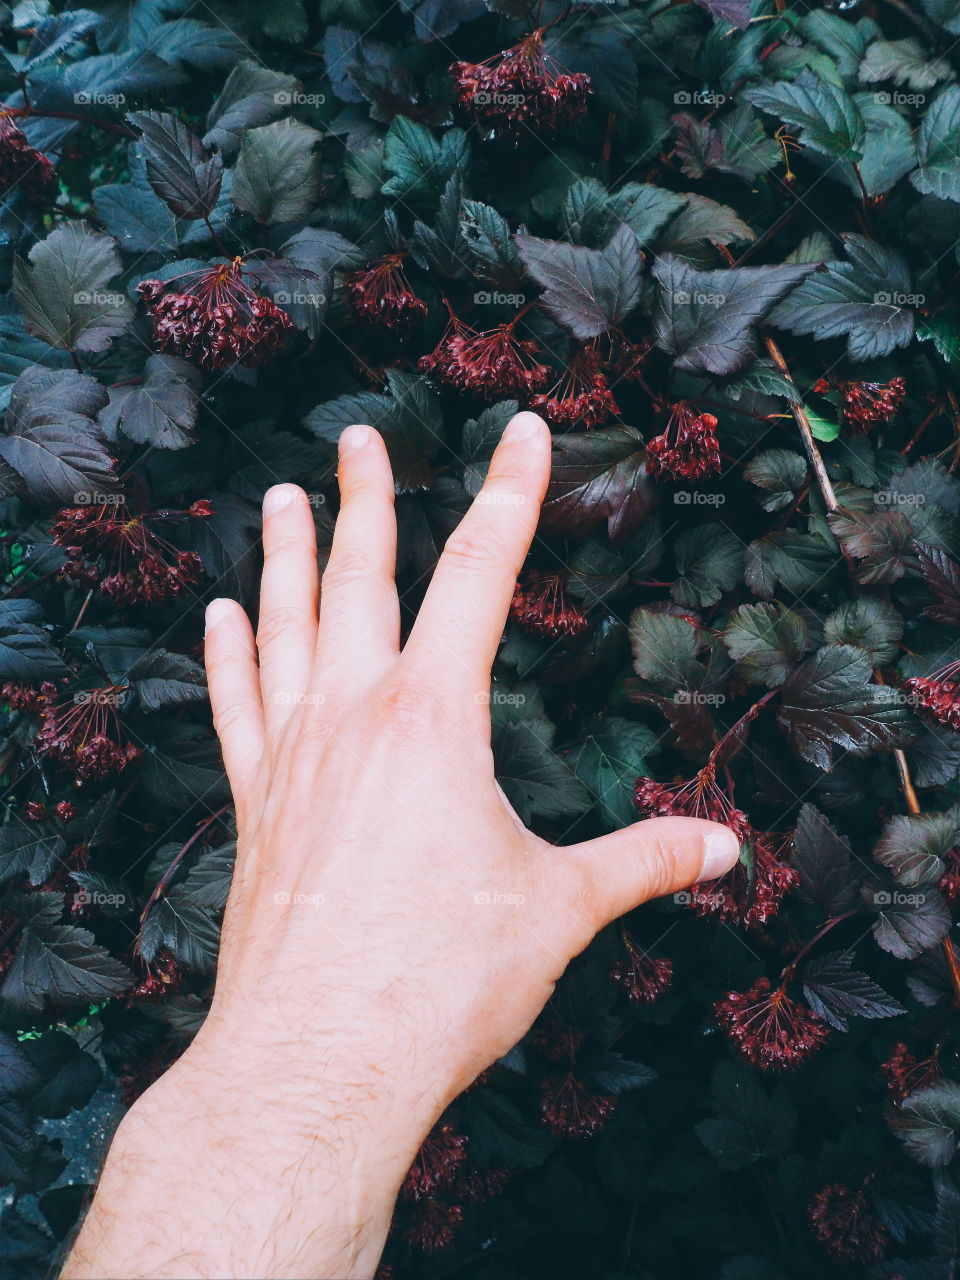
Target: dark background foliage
[744,208]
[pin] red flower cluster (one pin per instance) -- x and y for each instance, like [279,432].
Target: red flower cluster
[688,449]
[432,1225]
[582,397]
[24,697]
[82,734]
[495,364]
[937,697]
[438,1162]
[521,90]
[35,811]
[540,606]
[163,979]
[570,1110]
[380,294]
[846,1226]
[22,166]
[768,1029]
[905,1074]
[220,322]
[641,976]
[751,891]
[138,565]
[866,404]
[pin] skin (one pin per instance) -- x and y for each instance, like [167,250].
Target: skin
[392,927]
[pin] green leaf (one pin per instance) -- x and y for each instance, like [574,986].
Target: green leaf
[180,169]
[795,561]
[489,245]
[915,847]
[867,623]
[903,62]
[938,143]
[664,648]
[908,923]
[822,428]
[481,435]
[752,1125]
[766,641]
[866,300]
[609,761]
[26,654]
[63,292]
[419,165]
[830,703]
[252,95]
[277,178]
[533,777]
[928,1123]
[162,411]
[588,291]
[709,561]
[780,473]
[705,318]
[825,115]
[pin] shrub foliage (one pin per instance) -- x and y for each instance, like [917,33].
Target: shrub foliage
[715,244]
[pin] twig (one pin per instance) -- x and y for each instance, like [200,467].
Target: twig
[164,881]
[803,422]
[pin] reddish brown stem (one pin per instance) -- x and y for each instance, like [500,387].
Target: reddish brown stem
[163,883]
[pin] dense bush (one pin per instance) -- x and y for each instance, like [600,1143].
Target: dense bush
[715,243]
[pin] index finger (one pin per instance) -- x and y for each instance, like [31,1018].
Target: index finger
[463,615]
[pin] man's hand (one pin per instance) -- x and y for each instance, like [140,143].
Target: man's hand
[392,927]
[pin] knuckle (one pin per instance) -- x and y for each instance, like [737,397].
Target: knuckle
[277,624]
[477,547]
[344,568]
[411,708]
[658,865]
[228,715]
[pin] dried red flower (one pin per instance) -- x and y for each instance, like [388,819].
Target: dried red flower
[23,167]
[643,977]
[381,295]
[521,90]
[164,977]
[768,1029]
[82,734]
[688,449]
[65,811]
[846,1226]
[494,364]
[439,1160]
[556,1040]
[24,697]
[139,567]
[582,396]
[570,1110]
[752,890]
[540,606]
[905,1074]
[866,404]
[432,1225]
[937,697]
[219,322]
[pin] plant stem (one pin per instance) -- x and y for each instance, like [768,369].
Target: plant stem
[803,422]
[807,947]
[163,883]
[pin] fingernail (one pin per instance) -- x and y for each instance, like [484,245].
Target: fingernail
[523,426]
[721,849]
[278,498]
[355,437]
[216,611]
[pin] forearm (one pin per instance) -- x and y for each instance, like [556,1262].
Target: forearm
[208,1178]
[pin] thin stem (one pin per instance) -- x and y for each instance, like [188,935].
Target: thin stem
[789,971]
[164,881]
[803,422]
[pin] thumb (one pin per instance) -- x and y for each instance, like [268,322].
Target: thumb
[651,858]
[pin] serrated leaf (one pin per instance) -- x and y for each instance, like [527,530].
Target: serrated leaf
[938,142]
[60,964]
[766,641]
[836,991]
[824,860]
[705,319]
[277,176]
[598,476]
[180,169]
[942,577]
[824,113]
[780,473]
[664,648]
[928,1123]
[867,623]
[588,291]
[709,560]
[609,762]
[914,847]
[752,1125]
[908,924]
[252,95]
[63,291]
[830,703]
